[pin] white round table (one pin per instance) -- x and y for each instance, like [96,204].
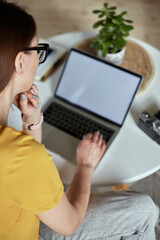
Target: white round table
[133,155]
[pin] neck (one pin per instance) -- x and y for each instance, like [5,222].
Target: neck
[5,104]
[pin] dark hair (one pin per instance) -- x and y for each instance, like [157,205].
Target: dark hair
[17,29]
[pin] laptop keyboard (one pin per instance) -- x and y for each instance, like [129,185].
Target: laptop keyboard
[74,123]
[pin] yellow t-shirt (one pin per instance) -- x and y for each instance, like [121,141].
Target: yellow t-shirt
[29,184]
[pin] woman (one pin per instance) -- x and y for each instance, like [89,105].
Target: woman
[30,186]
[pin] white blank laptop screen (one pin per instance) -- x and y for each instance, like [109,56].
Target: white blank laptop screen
[98,87]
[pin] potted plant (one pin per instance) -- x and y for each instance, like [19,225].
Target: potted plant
[111,39]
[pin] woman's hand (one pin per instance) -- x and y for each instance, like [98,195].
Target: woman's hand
[90,150]
[29,104]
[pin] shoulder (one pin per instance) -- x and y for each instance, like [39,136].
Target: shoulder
[9,135]
[21,147]
[18,141]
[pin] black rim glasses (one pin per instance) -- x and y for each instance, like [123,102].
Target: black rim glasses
[42,50]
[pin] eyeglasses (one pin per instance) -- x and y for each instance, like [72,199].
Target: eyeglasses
[42,50]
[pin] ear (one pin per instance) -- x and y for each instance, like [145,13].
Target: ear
[19,63]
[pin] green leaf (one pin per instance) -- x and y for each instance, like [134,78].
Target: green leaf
[124,13]
[112,8]
[114,49]
[97,24]
[114,20]
[101,15]
[105,11]
[120,18]
[106,5]
[96,11]
[99,46]
[120,43]
[110,27]
[129,21]
[104,34]
[109,44]
[112,13]
[125,34]
[104,51]
[126,28]
[95,40]
[96,43]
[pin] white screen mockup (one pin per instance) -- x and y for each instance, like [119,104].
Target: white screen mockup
[98,87]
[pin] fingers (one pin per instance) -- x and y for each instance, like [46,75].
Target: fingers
[34,99]
[88,136]
[34,89]
[103,146]
[93,136]
[23,98]
[31,98]
[91,149]
[97,138]
[23,102]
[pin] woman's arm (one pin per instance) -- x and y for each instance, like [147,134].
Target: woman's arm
[30,106]
[36,133]
[89,153]
[67,216]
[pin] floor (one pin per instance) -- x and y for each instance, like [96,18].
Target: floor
[58,16]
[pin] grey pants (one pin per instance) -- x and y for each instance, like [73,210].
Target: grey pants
[113,216]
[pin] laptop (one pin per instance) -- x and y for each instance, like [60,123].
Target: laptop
[91,95]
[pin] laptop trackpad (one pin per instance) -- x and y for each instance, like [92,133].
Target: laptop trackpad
[61,143]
